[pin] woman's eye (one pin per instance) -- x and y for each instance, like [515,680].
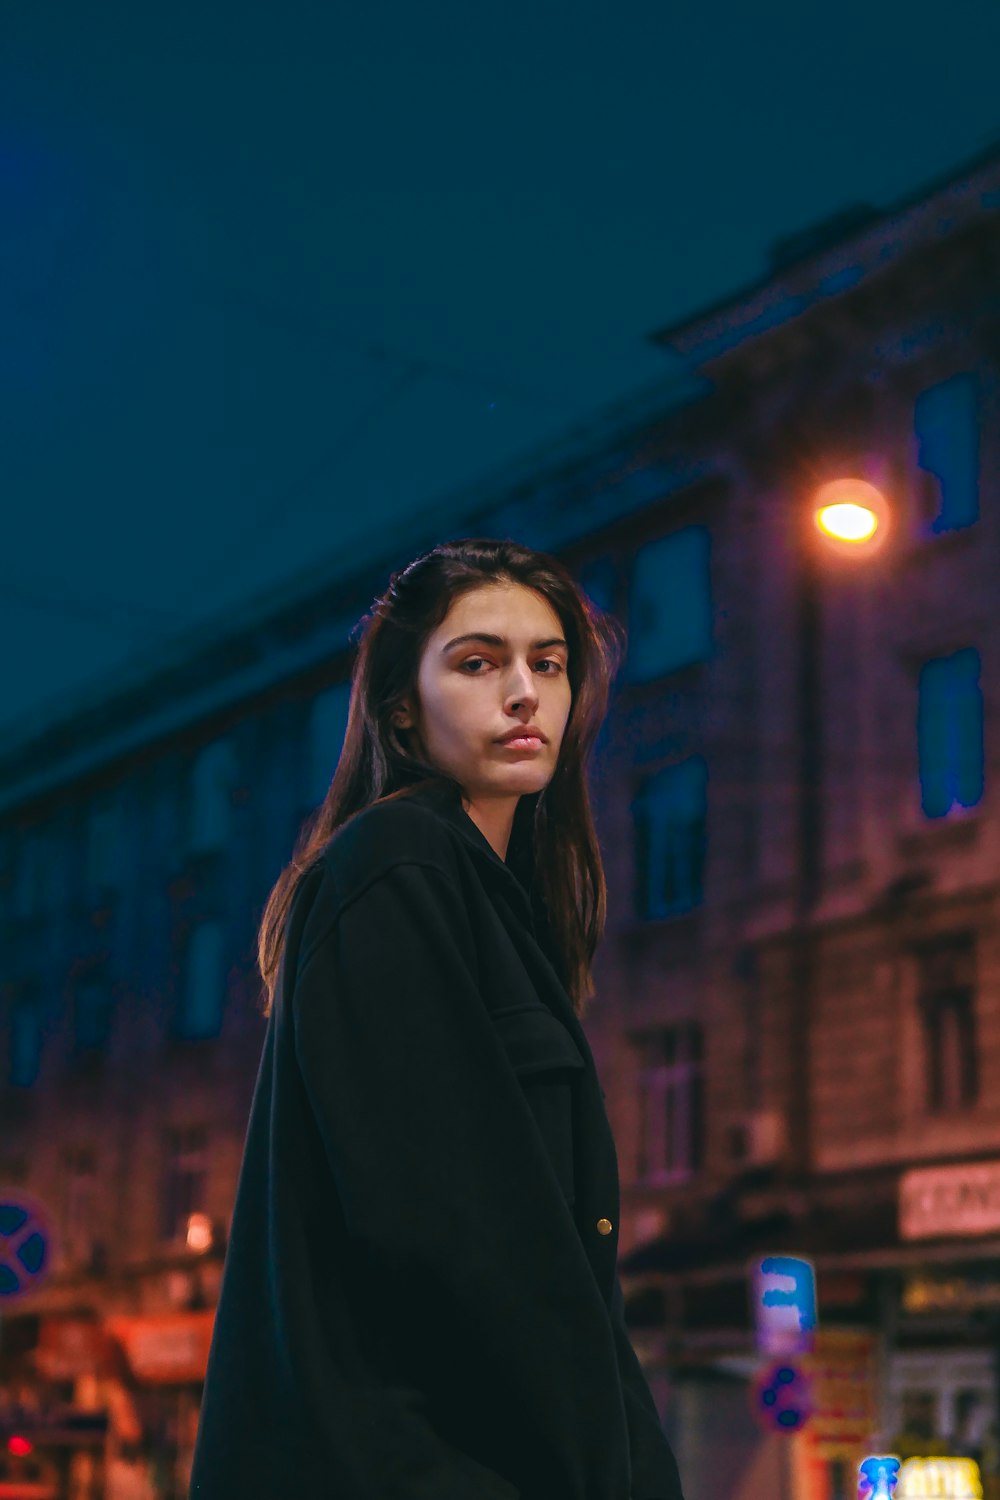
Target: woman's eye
[547,662]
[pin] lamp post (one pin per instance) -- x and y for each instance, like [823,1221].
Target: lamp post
[847,518]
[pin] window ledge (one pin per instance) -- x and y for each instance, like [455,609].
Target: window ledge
[957,830]
[670,941]
[920,546]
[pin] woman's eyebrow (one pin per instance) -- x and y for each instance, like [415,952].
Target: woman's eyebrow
[500,640]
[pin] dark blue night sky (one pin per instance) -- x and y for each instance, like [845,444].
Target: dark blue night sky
[273,277]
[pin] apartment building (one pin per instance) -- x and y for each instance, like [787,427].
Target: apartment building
[806,1027]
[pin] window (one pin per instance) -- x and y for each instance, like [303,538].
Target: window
[951,1051]
[204,981]
[947,1005]
[212,779]
[918,1414]
[32,860]
[945,1397]
[670,607]
[25,1035]
[93,1010]
[79,1193]
[186,1167]
[103,848]
[950,733]
[669,823]
[671,1095]
[327,726]
[946,428]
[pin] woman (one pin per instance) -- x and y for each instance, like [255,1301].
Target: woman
[420,1298]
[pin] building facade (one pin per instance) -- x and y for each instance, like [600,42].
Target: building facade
[797,1017]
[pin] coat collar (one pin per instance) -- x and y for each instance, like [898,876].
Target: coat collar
[514,879]
[517,870]
[514,876]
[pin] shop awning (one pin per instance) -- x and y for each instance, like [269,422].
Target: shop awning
[165,1348]
[842,1239]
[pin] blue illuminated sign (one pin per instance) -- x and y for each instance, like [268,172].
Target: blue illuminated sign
[877,1477]
[784,1304]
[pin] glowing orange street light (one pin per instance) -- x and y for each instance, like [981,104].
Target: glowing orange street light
[851,515]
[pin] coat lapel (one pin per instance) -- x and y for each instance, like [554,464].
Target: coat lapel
[515,898]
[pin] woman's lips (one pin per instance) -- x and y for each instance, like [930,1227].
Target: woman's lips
[522,742]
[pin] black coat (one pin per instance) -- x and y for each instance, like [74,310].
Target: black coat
[419,1299]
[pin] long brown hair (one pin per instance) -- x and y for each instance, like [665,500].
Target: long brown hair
[374,765]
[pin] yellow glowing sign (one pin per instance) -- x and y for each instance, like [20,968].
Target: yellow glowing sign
[939,1479]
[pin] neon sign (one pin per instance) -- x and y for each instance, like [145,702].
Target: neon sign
[886,1477]
[784,1304]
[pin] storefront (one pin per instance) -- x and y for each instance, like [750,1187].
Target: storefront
[52,1434]
[167,1355]
[96,1403]
[908,1362]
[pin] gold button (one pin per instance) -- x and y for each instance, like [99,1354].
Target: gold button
[604,1226]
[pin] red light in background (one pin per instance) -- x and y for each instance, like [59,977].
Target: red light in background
[20,1447]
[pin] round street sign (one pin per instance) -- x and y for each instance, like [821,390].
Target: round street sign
[25,1244]
[781,1398]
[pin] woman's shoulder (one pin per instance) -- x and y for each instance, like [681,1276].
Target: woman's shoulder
[376,839]
[398,829]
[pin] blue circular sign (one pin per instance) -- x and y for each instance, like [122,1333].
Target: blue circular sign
[781,1397]
[25,1244]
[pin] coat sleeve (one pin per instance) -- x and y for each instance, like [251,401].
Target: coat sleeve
[489,1311]
[654,1468]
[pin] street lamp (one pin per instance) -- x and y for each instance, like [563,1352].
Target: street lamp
[851,516]
[847,516]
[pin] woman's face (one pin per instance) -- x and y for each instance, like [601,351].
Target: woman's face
[472,692]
